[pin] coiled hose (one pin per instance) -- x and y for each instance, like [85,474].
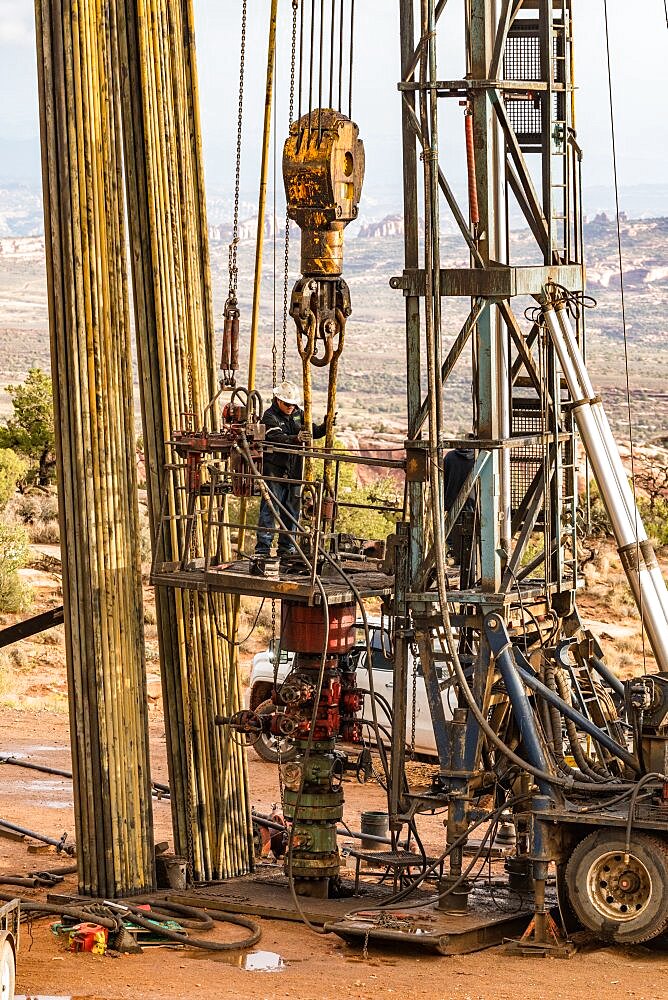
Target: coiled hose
[111,916]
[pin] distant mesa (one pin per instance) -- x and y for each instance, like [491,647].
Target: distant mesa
[22,247]
[391,225]
[222,233]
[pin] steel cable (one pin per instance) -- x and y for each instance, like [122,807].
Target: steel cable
[623,307]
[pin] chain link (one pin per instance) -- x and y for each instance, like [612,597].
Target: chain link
[232,256]
[286,273]
[189,384]
[415,655]
[190,848]
[277,659]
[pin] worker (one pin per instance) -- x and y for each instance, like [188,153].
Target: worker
[284,425]
[457,467]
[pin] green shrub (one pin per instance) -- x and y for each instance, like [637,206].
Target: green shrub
[655,519]
[363,521]
[14,595]
[38,510]
[12,469]
[599,523]
[30,430]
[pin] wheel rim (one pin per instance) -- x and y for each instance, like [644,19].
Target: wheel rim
[619,889]
[275,744]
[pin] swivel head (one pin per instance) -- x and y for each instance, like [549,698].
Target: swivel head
[323,170]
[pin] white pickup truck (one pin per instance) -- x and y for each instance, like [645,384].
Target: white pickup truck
[261,684]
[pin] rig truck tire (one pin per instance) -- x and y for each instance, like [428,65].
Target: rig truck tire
[7,968]
[621,901]
[267,746]
[567,913]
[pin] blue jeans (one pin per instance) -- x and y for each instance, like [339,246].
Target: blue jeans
[288,495]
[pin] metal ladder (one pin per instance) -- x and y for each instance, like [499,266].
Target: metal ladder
[558,138]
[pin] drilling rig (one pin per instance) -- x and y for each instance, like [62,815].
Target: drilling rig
[543,729]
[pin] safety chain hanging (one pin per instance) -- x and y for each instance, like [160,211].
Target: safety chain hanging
[229,361]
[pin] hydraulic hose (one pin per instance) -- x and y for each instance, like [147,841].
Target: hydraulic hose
[143,918]
[434,455]
[431,868]
[150,920]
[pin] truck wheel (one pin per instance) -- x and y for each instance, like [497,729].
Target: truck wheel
[625,901]
[7,970]
[566,911]
[273,748]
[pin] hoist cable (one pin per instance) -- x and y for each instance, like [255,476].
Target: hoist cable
[623,307]
[320,68]
[331,53]
[341,55]
[301,57]
[274,349]
[350,71]
[665,7]
[291,111]
[310,69]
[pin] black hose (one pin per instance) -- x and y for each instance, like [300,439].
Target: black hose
[143,919]
[585,763]
[652,776]
[148,919]
[188,916]
[430,869]
[81,913]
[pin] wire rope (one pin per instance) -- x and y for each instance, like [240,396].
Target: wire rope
[615,172]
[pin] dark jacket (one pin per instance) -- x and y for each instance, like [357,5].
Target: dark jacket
[283,429]
[456,467]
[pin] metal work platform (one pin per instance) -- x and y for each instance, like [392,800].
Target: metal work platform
[431,929]
[268,895]
[235,578]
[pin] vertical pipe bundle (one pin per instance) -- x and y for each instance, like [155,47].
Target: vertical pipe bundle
[92,380]
[175,341]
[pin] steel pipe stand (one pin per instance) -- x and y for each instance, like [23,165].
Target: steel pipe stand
[554,944]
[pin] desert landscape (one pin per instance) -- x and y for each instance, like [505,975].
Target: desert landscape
[374,342]
[33,688]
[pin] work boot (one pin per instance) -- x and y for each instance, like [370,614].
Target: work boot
[291,562]
[256,565]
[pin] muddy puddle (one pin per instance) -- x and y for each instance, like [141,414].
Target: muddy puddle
[253,961]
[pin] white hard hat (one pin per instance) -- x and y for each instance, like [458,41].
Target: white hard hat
[287,392]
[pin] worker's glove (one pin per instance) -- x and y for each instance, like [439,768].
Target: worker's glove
[304,437]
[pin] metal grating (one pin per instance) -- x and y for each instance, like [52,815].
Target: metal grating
[522,62]
[522,54]
[526,460]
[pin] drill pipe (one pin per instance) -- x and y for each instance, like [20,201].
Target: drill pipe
[177,362]
[95,444]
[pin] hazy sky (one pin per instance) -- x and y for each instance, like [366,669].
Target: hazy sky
[640,54]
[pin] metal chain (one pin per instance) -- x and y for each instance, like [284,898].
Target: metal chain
[273,641]
[232,256]
[413,710]
[190,847]
[416,656]
[277,658]
[286,273]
